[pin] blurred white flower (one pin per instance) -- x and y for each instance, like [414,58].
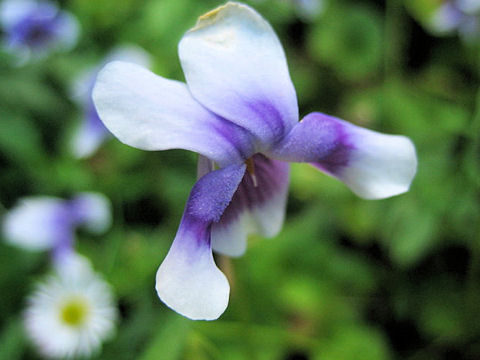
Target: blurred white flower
[457,17]
[72,312]
[309,9]
[469,6]
[48,223]
[91,132]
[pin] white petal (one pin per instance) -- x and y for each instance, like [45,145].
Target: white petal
[469,6]
[70,31]
[93,211]
[11,11]
[269,215]
[372,164]
[34,223]
[231,238]
[73,280]
[81,89]
[380,166]
[235,66]
[190,283]
[86,140]
[152,113]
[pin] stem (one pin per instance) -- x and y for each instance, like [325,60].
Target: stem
[394,43]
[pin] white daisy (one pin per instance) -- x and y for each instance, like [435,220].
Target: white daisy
[72,312]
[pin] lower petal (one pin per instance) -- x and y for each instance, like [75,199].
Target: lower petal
[258,206]
[371,164]
[188,280]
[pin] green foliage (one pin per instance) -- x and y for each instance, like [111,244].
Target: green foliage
[346,279]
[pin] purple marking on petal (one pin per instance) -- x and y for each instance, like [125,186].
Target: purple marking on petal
[272,127]
[236,135]
[212,193]
[64,224]
[272,176]
[93,122]
[194,230]
[339,155]
[320,139]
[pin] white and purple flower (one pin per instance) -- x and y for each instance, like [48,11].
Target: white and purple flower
[460,16]
[35,28]
[71,312]
[92,133]
[239,111]
[48,223]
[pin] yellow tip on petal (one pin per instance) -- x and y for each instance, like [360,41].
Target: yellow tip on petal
[214,15]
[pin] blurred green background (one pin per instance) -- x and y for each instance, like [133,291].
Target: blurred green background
[346,278]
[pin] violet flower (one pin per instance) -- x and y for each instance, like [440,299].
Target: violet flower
[92,133]
[239,111]
[33,29]
[48,223]
[457,16]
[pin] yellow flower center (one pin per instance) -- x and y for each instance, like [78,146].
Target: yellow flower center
[74,312]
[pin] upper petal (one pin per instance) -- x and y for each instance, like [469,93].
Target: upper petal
[188,280]
[235,66]
[372,164]
[152,113]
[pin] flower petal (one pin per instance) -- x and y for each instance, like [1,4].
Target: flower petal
[188,280]
[36,223]
[89,136]
[235,66]
[372,164]
[254,209]
[12,11]
[152,113]
[92,210]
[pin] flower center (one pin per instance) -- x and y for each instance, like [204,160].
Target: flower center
[251,170]
[74,312]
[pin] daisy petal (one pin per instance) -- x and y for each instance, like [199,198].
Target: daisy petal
[36,223]
[255,208]
[372,164]
[235,66]
[188,280]
[152,113]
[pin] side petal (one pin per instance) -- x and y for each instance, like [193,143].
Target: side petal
[188,281]
[235,66]
[371,164]
[36,223]
[152,113]
[258,206]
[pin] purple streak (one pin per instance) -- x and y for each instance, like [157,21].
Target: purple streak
[320,139]
[271,178]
